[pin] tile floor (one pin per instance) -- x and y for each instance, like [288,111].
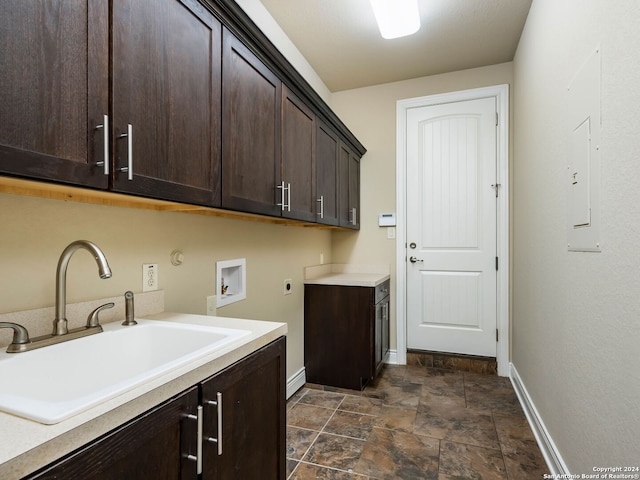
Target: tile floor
[413,423]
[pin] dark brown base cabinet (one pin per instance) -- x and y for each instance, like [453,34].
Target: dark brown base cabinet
[163,442]
[346,334]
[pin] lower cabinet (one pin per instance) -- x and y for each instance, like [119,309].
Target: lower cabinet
[243,435]
[346,334]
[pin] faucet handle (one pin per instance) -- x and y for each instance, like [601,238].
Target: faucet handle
[92,319]
[20,337]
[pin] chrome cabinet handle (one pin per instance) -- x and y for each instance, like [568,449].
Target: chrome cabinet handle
[284,204]
[218,404]
[353,216]
[281,187]
[321,202]
[129,167]
[105,148]
[198,456]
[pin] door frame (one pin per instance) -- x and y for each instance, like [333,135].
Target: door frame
[501,94]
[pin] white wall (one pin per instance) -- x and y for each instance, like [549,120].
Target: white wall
[370,114]
[576,316]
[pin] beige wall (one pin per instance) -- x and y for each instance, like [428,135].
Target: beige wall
[263,19]
[576,316]
[35,231]
[370,113]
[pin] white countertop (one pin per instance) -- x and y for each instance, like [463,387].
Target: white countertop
[346,275]
[26,446]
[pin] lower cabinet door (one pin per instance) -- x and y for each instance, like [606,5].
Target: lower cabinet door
[244,418]
[156,445]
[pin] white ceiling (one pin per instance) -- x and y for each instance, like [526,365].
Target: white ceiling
[341,41]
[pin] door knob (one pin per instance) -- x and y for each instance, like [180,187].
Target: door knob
[414,260]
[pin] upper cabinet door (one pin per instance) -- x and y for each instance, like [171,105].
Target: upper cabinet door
[250,132]
[326,174]
[166,100]
[349,187]
[298,158]
[54,89]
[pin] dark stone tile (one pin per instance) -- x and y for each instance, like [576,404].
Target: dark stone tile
[308,416]
[396,394]
[491,393]
[296,396]
[453,363]
[362,404]
[390,454]
[420,359]
[298,441]
[459,461]
[443,389]
[335,451]
[484,367]
[307,471]
[291,466]
[393,372]
[320,398]
[522,456]
[457,424]
[350,424]
[396,418]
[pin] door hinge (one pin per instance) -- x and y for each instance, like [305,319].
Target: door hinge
[496,264]
[497,122]
[496,334]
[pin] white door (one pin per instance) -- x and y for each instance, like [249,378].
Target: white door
[451,227]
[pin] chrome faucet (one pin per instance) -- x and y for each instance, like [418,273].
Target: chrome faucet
[60,321]
[21,341]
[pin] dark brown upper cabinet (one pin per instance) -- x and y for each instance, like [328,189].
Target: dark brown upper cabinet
[327,143]
[250,131]
[54,90]
[166,100]
[349,187]
[298,185]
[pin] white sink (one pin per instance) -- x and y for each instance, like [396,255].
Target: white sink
[53,383]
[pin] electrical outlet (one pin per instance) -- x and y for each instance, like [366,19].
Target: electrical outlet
[149,277]
[288,286]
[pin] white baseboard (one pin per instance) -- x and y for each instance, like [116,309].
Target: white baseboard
[392,358]
[550,452]
[296,382]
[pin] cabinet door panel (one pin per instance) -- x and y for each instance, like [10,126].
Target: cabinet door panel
[327,174]
[349,187]
[154,445]
[253,426]
[251,131]
[166,84]
[339,331]
[298,157]
[54,89]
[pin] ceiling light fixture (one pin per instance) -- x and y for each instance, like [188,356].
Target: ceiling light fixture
[396,18]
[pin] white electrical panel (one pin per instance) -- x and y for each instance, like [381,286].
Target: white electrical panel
[583,158]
